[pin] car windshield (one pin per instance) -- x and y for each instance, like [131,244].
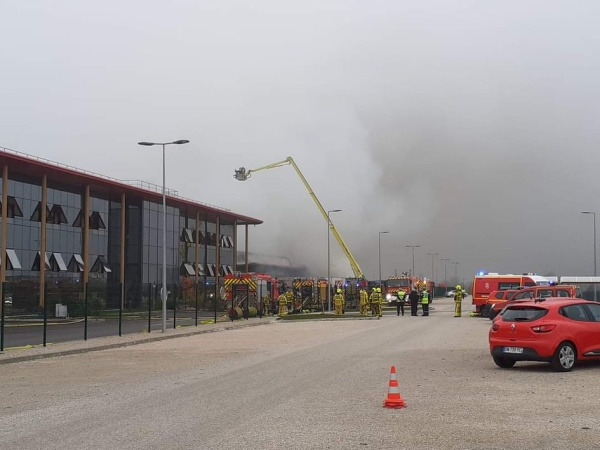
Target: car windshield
[523,314]
[398,283]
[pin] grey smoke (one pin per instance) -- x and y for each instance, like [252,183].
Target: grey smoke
[466,127]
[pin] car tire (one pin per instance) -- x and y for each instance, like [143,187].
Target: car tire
[485,311]
[564,358]
[504,363]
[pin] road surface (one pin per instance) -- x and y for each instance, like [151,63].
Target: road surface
[301,385]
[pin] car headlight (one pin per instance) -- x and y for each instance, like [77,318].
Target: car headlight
[388,297]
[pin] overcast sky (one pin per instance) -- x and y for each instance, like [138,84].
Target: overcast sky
[467,127]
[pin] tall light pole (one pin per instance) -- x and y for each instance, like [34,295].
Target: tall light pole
[432,271]
[455,270]
[445,272]
[164,195]
[595,267]
[413,257]
[329,257]
[380,233]
[432,265]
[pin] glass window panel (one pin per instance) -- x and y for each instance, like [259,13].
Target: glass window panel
[26,190]
[153,240]
[153,219]
[10,237]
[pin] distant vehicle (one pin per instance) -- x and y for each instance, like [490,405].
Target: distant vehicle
[483,285]
[560,331]
[453,291]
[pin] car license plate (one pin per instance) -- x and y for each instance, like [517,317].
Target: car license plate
[513,350]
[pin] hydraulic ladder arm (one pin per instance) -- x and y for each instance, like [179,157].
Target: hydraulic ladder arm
[242,174]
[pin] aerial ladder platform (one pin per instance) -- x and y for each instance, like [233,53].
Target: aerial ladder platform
[243,174]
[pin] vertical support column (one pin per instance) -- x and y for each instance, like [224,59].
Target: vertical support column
[122,264]
[246,250]
[43,240]
[235,245]
[86,238]
[217,256]
[197,250]
[4,223]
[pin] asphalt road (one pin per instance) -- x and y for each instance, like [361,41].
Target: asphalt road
[301,385]
[20,335]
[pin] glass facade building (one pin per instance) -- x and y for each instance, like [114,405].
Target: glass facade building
[105,234]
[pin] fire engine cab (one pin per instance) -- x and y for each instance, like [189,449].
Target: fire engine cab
[250,288]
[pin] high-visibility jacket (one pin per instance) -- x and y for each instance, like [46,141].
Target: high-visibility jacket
[338,299]
[458,296]
[289,296]
[282,300]
[425,299]
[364,298]
[401,295]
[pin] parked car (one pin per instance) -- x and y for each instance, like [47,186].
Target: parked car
[562,290]
[496,301]
[450,293]
[557,330]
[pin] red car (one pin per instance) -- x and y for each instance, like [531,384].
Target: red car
[557,330]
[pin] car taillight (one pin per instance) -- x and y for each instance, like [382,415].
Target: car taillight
[543,328]
[495,327]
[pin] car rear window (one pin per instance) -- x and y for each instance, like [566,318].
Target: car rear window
[523,314]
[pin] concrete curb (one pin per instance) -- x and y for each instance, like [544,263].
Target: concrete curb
[161,337]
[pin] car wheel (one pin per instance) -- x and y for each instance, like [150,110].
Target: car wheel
[485,311]
[564,357]
[504,363]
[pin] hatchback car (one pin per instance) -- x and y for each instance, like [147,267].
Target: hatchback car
[560,331]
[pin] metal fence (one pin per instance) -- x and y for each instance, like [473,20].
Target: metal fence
[69,310]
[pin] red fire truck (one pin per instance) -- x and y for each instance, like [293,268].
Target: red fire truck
[404,283]
[251,286]
[483,285]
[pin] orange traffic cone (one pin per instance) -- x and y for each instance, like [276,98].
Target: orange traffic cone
[394,399]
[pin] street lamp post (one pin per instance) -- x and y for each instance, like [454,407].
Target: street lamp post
[595,266]
[164,199]
[413,257]
[445,272]
[432,270]
[329,257]
[380,233]
[455,270]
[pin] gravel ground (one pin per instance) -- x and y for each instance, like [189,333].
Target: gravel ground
[301,385]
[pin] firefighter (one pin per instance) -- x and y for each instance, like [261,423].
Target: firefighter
[364,300]
[400,302]
[338,301]
[380,298]
[289,295]
[282,300]
[458,296]
[267,304]
[373,301]
[425,303]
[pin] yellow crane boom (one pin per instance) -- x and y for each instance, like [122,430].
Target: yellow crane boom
[242,174]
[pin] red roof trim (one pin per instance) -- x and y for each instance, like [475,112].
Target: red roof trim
[29,166]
